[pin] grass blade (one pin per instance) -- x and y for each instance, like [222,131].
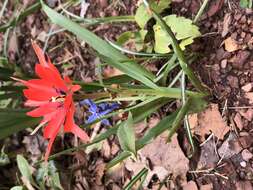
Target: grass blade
[140,176]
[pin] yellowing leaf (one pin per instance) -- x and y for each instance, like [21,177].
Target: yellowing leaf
[183,29]
[142,15]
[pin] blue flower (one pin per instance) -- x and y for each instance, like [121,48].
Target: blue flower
[98,111]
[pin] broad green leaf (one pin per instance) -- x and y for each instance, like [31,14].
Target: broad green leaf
[180,54]
[24,168]
[142,15]
[183,29]
[101,46]
[135,38]
[126,135]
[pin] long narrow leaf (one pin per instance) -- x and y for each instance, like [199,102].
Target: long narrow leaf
[101,46]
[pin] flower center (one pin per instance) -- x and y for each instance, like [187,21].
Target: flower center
[60,98]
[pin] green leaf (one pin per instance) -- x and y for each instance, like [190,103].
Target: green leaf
[17,188]
[140,176]
[4,158]
[136,38]
[183,29]
[150,107]
[246,3]
[151,134]
[24,168]
[126,135]
[34,7]
[12,121]
[180,54]
[101,46]
[142,16]
[129,68]
[5,74]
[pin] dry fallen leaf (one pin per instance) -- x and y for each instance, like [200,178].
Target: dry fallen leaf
[208,156]
[249,96]
[210,120]
[238,121]
[191,185]
[111,72]
[247,115]
[163,160]
[167,155]
[206,187]
[226,22]
[231,45]
[230,147]
[247,87]
[243,185]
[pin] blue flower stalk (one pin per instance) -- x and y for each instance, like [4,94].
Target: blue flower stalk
[98,111]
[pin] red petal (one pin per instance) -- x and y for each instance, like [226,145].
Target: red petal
[33,103]
[40,55]
[44,109]
[79,132]
[70,126]
[53,77]
[37,95]
[68,101]
[75,88]
[54,123]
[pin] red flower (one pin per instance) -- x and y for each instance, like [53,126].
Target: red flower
[53,98]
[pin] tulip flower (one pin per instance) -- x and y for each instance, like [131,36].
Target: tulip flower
[52,97]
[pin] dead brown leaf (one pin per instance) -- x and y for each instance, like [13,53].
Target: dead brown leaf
[249,96]
[238,121]
[111,72]
[247,87]
[243,185]
[191,185]
[162,159]
[167,155]
[208,156]
[231,45]
[206,187]
[247,115]
[230,147]
[208,121]
[226,23]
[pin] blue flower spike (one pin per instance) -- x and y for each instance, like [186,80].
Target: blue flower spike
[98,111]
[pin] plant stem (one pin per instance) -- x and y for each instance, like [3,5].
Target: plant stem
[200,12]
[181,57]
[180,116]
[25,13]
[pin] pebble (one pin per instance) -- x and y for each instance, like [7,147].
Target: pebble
[246,155]
[224,63]
[247,87]
[243,164]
